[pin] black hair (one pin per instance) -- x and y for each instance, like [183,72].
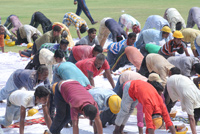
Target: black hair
[41,69]
[156,85]
[178,26]
[130,35]
[164,32]
[119,38]
[59,54]
[180,51]
[91,30]
[175,70]
[64,34]
[64,41]
[41,91]
[98,48]
[90,111]
[101,57]
[34,37]
[57,28]
[197,67]
[83,28]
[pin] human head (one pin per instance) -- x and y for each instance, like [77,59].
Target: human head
[64,34]
[56,31]
[114,103]
[63,44]
[96,50]
[100,58]
[34,37]
[157,86]
[157,120]
[136,29]
[92,33]
[42,72]
[41,95]
[174,70]
[58,55]
[165,31]
[131,38]
[178,37]
[154,77]
[90,111]
[119,38]
[197,68]
[178,26]
[83,29]
[2,30]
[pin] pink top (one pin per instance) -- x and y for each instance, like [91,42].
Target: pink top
[82,52]
[88,65]
[77,97]
[15,22]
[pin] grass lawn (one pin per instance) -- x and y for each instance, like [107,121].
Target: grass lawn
[55,10]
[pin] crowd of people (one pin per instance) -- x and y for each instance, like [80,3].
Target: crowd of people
[160,80]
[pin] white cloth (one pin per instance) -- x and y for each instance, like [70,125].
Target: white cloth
[47,57]
[27,31]
[22,98]
[182,88]
[128,21]
[173,17]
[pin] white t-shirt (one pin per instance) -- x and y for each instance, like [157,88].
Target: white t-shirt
[22,98]
[182,88]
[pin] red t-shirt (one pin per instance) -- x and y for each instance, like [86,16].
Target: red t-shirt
[88,65]
[82,52]
[152,102]
[77,97]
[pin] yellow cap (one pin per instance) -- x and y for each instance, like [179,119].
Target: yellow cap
[114,103]
[29,45]
[11,43]
[53,87]
[157,122]
[178,34]
[32,111]
[166,29]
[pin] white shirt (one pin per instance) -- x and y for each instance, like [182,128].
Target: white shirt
[128,21]
[22,98]
[182,88]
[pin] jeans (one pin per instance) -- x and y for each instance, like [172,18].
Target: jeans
[116,89]
[143,69]
[34,63]
[33,22]
[107,116]
[127,107]
[111,57]
[62,116]
[12,113]
[81,6]
[143,50]
[8,22]
[8,89]
[20,40]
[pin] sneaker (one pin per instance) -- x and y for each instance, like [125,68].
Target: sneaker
[94,22]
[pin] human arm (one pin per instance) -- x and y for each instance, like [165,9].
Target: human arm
[78,33]
[75,126]
[127,31]
[22,118]
[186,52]
[98,125]
[192,123]
[110,79]
[194,51]
[47,118]
[90,77]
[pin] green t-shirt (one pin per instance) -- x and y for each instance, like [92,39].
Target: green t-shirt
[152,48]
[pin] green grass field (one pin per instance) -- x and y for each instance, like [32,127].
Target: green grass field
[55,10]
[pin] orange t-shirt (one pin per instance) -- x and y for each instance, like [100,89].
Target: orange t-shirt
[1,40]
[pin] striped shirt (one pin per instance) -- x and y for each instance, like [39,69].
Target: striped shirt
[72,18]
[115,47]
[171,47]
